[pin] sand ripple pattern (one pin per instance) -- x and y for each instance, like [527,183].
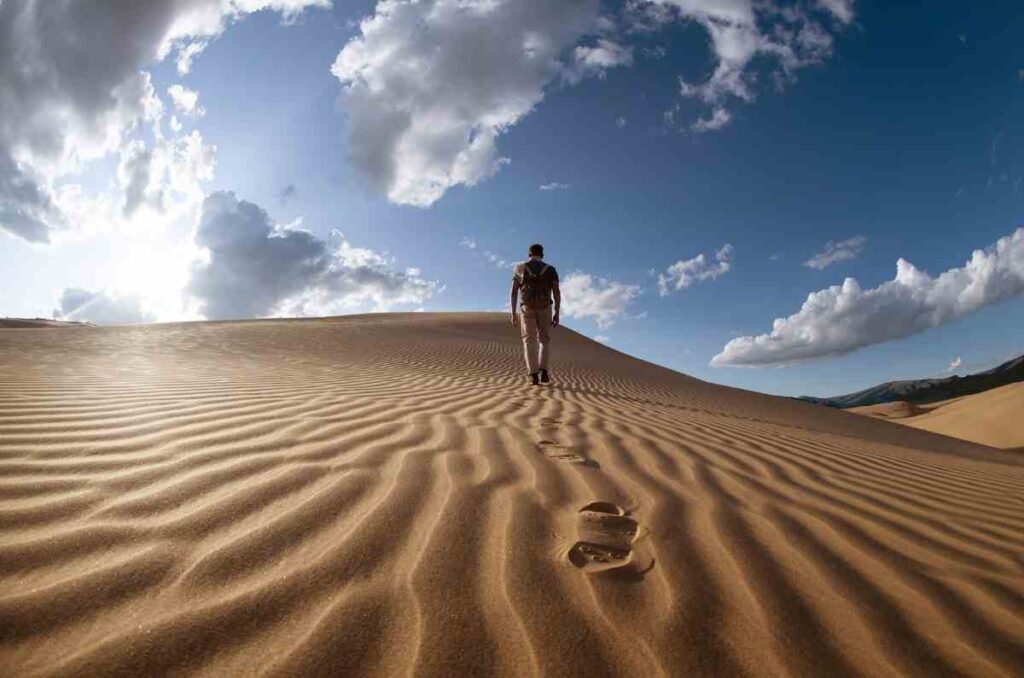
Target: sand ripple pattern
[383,495]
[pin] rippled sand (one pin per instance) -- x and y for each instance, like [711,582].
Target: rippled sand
[383,495]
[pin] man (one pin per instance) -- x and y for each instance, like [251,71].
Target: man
[538,283]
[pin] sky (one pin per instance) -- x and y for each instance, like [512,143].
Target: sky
[790,197]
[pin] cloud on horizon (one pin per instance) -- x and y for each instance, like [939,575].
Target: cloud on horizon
[101,307]
[843,318]
[73,88]
[257,268]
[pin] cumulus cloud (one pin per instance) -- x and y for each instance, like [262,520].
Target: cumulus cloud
[843,318]
[100,307]
[684,273]
[255,268]
[430,86]
[186,101]
[955,364]
[554,186]
[837,251]
[468,243]
[596,59]
[588,296]
[73,88]
[788,36]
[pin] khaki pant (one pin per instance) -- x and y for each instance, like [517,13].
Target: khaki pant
[535,328]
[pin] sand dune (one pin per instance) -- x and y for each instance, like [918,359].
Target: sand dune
[994,418]
[382,495]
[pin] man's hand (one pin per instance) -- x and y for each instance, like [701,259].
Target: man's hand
[514,317]
[555,320]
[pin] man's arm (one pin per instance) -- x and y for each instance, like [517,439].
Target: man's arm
[558,303]
[513,298]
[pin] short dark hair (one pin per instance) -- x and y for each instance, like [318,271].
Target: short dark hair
[536,250]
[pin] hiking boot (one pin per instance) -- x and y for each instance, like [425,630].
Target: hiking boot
[544,376]
[535,379]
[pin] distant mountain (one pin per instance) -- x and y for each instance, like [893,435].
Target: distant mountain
[929,390]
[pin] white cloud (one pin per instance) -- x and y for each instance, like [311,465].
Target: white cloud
[73,88]
[601,338]
[587,296]
[554,186]
[837,251]
[843,318]
[430,86]
[186,101]
[955,364]
[719,119]
[684,273]
[468,243]
[256,268]
[620,122]
[792,36]
[101,307]
[840,9]
[597,59]
[496,260]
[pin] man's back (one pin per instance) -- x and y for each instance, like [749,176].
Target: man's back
[537,281]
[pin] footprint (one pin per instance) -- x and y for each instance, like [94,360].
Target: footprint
[553,450]
[607,539]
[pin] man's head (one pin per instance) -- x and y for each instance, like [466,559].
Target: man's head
[537,250]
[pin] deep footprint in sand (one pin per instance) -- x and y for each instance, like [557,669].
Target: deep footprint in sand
[607,536]
[558,452]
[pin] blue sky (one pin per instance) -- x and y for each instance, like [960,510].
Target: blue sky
[901,136]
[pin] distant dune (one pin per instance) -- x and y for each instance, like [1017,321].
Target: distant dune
[29,323]
[994,418]
[384,495]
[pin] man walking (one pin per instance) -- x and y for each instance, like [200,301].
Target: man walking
[538,282]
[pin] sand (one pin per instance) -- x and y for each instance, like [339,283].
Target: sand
[994,418]
[383,495]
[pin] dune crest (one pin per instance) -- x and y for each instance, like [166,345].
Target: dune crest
[383,494]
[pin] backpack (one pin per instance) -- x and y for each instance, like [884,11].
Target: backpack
[536,287]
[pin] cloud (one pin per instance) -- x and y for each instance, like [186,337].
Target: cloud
[73,88]
[844,318]
[719,119]
[790,36]
[430,86]
[837,251]
[682,274]
[953,366]
[468,243]
[554,186]
[256,268]
[598,59]
[587,296]
[620,122]
[186,101]
[101,308]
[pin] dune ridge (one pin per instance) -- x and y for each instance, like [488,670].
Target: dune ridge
[383,495]
[990,418]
